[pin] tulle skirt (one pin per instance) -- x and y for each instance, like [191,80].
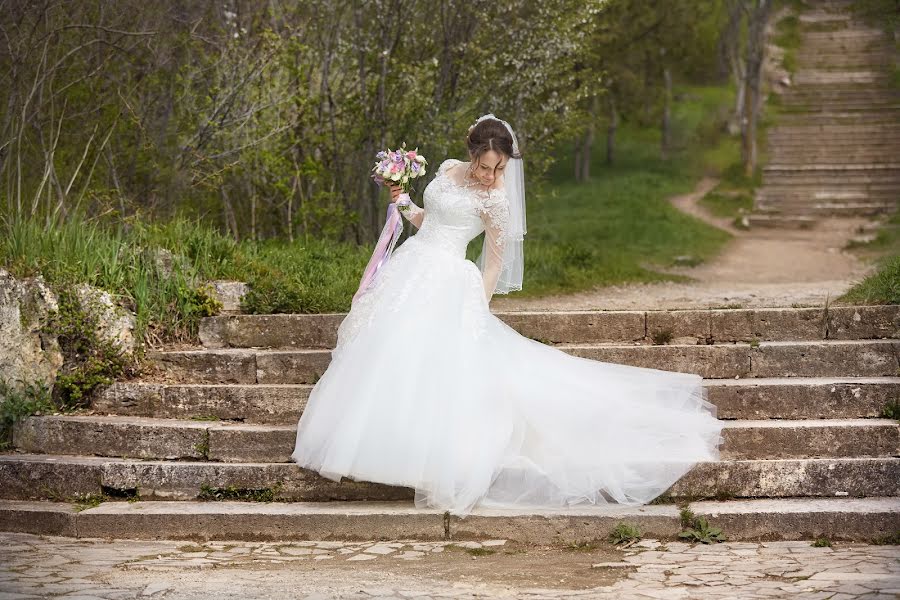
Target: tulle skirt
[428,389]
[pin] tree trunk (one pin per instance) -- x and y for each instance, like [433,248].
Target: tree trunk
[667,114]
[611,130]
[587,144]
[755,49]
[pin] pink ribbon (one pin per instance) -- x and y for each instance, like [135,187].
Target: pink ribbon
[385,245]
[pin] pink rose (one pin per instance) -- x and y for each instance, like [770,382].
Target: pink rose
[411,154]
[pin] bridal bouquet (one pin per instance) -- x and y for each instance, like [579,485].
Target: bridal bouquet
[398,167]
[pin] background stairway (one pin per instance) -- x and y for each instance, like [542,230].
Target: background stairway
[835,150]
[807,452]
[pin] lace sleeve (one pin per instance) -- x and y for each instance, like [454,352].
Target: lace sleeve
[494,213]
[414,214]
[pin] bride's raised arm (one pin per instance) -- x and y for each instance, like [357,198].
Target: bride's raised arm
[495,216]
[413,213]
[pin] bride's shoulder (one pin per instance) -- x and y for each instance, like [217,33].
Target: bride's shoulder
[448,163]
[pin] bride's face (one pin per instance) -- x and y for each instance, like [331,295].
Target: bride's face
[489,167]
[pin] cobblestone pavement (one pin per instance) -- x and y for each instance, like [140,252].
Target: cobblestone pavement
[81,569]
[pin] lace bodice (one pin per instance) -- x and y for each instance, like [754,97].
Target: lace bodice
[454,214]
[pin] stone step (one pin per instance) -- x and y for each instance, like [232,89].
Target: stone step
[830,209]
[815,198]
[891,168]
[802,100]
[845,193]
[834,179]
[837,132]
[798,157]
[41,476]
[781,221]
[786,155]
[838,519]
[705,325]
[851,358]
[813,107]
[841,118]
[762,398]
[223,441]
[804,181]
[877,89]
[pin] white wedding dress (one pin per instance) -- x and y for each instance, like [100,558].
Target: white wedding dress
[428,389]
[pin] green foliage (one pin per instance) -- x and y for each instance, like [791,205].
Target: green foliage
[608,229]
[86,501]
[624,533]
[88,360]
[581,547]
[883,287]
[698,529]
[231,492]
[788,36]
[891,410]
[19,402]
[880,13]
[661,337]
[890,539]
[821,543]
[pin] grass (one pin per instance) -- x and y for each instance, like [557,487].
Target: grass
[126,258]
[882,287]
[787,35]
[19,402]
[620,226]
[624,533]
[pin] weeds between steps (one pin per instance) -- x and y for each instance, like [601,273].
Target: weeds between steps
[218,494]
[18,403]
[891,410]
[698,529]
[625,535]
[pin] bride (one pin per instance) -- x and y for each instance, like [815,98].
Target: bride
[428,389]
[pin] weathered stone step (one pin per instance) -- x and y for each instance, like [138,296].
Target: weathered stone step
[830,209]
[713,325]
[815,107]
[796,156]
[812,105]
[848,192]
[851,358]
[831,117]
[781,221]
[833,179]
[40,476]
[828,168]
[866,143]
[762,398]
[833,518]
[171,439]
[801,180]
[836,131]
[850,92]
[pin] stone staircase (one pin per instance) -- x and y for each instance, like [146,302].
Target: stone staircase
[835,150]
[806,452]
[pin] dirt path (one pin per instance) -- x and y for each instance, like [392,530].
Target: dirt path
[758,267]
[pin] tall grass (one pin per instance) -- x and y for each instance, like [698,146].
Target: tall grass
[883,286]
[157,270]
[615,228]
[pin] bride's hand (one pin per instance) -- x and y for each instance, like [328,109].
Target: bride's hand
[396,190]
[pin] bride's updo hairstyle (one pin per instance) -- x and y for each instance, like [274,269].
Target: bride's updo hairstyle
[489,134]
